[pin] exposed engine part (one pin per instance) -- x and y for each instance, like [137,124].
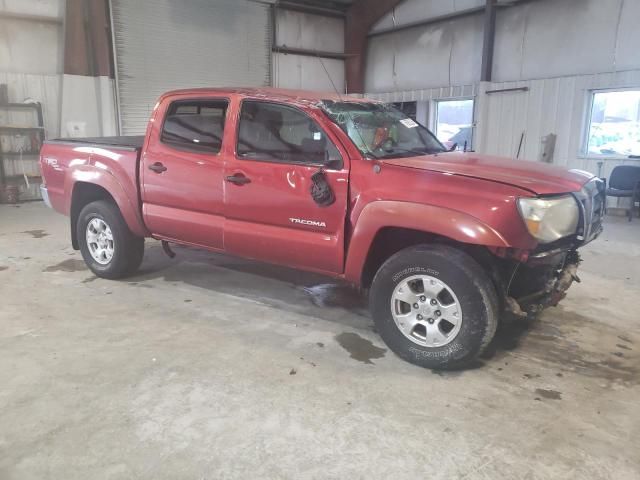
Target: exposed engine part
[512,306]
[558,281]
[167,249]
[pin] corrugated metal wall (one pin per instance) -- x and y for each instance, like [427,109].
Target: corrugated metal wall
[556,105]
[426,94]
[557,49]
[162,45]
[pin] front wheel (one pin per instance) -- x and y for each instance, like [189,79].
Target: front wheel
[434,306]
[107,245]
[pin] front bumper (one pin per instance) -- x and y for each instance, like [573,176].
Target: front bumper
[45,196]
[591,200]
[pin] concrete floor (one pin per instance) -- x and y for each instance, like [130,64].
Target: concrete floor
[208,367]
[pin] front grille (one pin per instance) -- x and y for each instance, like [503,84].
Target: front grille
[592,202]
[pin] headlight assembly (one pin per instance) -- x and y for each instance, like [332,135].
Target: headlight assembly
[550,219]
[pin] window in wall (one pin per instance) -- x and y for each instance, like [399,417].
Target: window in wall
[614,123]
[454,123]
[273,132]
[195,125]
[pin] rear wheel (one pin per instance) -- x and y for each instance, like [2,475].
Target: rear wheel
[107,245]
[434,306]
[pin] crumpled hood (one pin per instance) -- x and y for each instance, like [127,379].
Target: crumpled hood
[539,178]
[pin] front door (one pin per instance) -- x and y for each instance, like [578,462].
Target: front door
[182,172]
[270,213]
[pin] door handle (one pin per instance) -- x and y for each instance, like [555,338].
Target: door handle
[238,179]
[158,167]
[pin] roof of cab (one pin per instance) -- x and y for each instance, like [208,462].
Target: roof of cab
[302,97]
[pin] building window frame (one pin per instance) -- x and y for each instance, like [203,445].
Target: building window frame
[433,116]
[585,136]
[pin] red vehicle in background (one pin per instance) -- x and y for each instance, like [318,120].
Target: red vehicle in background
[443,242]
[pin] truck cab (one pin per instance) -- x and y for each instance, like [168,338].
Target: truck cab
[236,174]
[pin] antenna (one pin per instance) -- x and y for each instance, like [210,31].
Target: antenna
[329,77]
[364,144]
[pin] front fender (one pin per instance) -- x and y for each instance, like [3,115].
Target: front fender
[441,221]
[104,179]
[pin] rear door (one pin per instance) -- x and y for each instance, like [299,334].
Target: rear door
[182,171]
[269,209]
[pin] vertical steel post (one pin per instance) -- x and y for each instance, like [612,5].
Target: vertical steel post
[489,39]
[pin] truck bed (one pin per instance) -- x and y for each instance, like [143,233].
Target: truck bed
[111,162]
[128,142]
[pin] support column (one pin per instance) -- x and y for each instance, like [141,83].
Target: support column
[489,39]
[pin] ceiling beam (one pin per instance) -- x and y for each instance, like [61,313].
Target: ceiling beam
[307,8]
[305,52]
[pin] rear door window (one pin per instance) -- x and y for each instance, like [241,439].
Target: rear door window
[196,125]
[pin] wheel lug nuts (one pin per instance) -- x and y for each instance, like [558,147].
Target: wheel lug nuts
[415,305]
[419,317]
[430,320]
[433,301]
[423,298]
[437,313]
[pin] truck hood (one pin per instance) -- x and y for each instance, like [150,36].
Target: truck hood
[536,177]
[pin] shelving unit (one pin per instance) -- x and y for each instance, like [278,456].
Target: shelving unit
[16,164]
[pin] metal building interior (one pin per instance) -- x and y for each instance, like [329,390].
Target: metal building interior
[214,366]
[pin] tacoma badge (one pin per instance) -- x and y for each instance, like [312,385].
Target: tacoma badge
[311,223]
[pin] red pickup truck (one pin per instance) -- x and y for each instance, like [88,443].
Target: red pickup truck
[444,242]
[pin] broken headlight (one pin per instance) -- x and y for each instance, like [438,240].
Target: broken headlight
[550,219]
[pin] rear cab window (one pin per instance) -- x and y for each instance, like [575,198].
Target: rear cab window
[274,132]
[195,125]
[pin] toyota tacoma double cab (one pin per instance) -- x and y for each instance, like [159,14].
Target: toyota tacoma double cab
[443,242]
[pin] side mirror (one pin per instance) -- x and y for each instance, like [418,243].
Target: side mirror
[333,164]
[454,147]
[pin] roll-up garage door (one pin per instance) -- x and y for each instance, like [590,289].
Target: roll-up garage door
[162,45]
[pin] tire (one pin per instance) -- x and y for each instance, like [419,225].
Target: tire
[126,249]
[468,299]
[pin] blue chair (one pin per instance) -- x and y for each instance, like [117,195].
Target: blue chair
[624,182]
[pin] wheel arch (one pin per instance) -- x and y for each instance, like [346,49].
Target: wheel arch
[384,228]
[84,192]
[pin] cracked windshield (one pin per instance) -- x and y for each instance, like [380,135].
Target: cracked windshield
[381,131]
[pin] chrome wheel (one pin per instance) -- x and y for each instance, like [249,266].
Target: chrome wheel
[100,241]
[426,310]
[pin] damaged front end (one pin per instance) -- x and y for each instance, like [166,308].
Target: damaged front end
[548,272]
[541,282]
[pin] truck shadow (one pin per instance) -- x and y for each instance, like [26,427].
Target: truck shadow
[563,340]
[283,288]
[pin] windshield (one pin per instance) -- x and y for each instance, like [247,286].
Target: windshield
[381,131]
